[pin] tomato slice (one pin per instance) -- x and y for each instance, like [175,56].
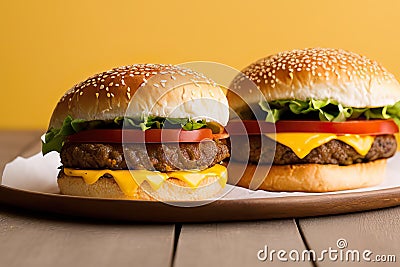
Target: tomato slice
[249,127]
[222,135]
[362,127]
[366,127]
[139,136]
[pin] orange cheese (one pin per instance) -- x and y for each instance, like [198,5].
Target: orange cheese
[398,141]
[303,143]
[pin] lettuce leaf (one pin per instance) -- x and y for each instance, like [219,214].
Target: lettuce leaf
[55,138]
[325,110]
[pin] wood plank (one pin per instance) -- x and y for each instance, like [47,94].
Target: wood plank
[39,241]
[12,143]
[378,231]
[236,244]
[14,139]
[33,148]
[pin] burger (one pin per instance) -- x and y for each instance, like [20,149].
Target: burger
[322,119]
[145,131]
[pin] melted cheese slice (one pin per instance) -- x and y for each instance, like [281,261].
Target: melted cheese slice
[303,143]
[398,141]
[129,180]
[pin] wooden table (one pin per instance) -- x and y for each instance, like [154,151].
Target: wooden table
[31,239]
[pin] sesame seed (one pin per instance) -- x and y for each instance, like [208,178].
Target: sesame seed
[195,82]
[98,80]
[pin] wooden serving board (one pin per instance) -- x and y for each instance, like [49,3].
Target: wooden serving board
[220,210]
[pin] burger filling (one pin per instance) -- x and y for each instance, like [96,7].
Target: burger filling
[191,162]
[335,149]
[167,157]
[332,152]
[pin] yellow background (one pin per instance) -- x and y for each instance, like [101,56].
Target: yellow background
[48,46]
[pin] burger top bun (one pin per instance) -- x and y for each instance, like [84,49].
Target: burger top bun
[143,90]
[318,73]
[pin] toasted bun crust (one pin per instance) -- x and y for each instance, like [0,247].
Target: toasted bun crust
[172,189]
[319,73]
[148,89]
[317,177]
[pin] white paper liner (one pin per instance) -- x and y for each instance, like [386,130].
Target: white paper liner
[39,173]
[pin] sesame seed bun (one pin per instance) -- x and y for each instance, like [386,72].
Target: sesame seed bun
[316,177]
[318,73]
[161,90]
[172,189]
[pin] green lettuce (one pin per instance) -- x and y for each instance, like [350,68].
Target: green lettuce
[325,110]
[55,138]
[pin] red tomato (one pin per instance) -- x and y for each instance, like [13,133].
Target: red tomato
[363,127]
[139,136]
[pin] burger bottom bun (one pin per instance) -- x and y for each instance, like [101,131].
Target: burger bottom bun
[172,189]
[315,177]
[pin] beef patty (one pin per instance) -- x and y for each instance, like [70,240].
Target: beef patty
[332,152]
[186,156]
